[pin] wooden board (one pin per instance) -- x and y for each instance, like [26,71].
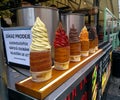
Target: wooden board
[41,90]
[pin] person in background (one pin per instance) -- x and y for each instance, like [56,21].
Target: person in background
[119,37]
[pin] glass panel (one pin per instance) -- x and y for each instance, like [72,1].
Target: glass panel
[111,28]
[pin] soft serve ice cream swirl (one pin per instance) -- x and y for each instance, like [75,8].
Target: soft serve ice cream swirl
[73,35]
[40,39]
[61,39]
[84,34]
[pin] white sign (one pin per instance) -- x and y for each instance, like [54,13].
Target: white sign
[17,45]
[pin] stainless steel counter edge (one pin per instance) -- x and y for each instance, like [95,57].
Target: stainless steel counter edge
[61,92]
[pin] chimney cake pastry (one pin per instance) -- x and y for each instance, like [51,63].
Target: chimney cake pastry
[61,49]
[40,53]
[75,46]
[84,40]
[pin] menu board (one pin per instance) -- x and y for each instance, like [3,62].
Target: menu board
[17,45]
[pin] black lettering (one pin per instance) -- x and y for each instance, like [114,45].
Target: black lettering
[9,35]
[23,36]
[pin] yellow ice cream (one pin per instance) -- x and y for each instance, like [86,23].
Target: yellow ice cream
[40,39]
[84,34]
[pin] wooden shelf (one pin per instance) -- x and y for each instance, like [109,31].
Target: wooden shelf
[41,90]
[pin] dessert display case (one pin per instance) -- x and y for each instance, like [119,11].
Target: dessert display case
[82,80]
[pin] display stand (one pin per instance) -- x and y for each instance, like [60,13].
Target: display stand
[65,84]
[66,88]
[63,90]
[41,90]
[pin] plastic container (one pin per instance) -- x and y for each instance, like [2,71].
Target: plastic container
[92,46]
[96,43]
[41,76]
[75,58]
[96,48]
[84,48]
[92,50]
[84,53]
[75,49]
[61,58]
[61,66]
[41,65]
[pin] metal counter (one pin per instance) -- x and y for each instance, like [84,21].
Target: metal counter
[61,92]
